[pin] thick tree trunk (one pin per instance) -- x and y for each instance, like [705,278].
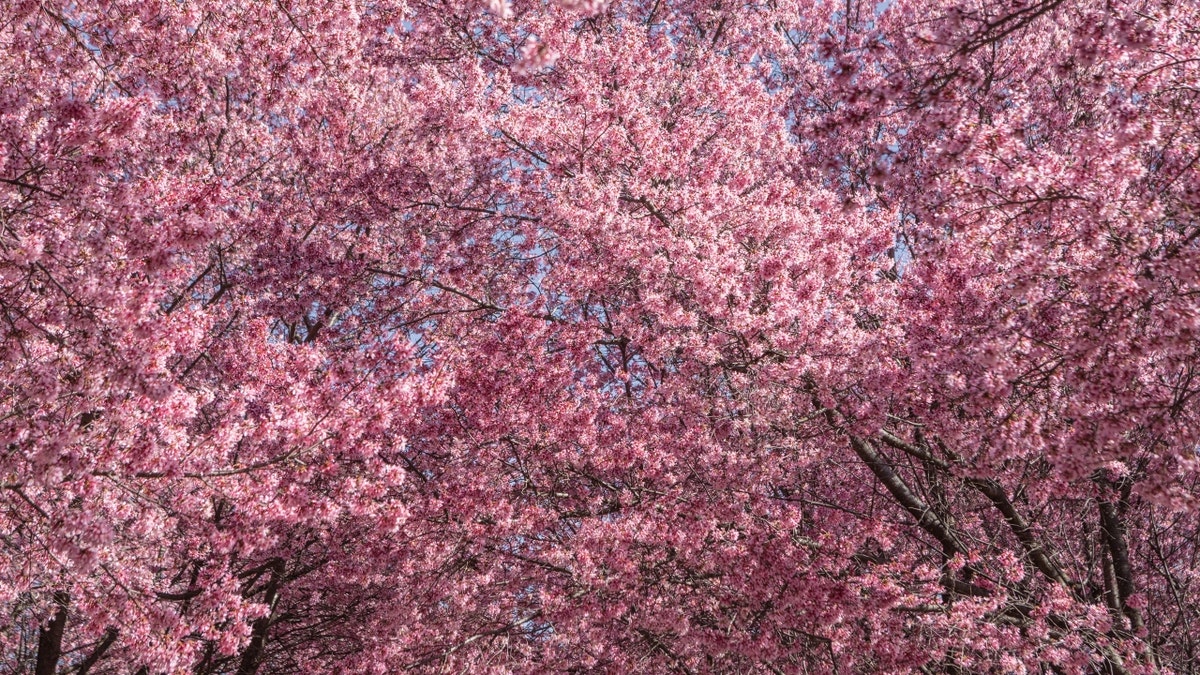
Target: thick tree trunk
[50,638]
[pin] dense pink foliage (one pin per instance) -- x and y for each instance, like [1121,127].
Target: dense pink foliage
[643,336]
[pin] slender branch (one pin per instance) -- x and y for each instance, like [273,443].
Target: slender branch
[30,186]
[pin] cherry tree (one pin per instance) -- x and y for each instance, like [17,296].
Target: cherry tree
[631,336]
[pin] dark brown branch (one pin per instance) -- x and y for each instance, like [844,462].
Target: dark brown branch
[997,30]
[183,294]
[658,644]
[996,494]
[1020,528]
[480,304]
[919,510]
[30,186]
[642,201]
[253,655]
[179,597]
[916,451]
[966,588]
[110,636]
[479,636]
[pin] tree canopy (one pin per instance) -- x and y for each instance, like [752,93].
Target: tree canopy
[641,336]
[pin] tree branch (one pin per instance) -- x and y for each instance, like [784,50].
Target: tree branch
[110,636]
[919,510]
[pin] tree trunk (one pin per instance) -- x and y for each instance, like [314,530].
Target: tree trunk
[50,638]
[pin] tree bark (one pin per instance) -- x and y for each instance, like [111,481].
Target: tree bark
[924,515]
[110,636]
[50,638]
[252,656]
